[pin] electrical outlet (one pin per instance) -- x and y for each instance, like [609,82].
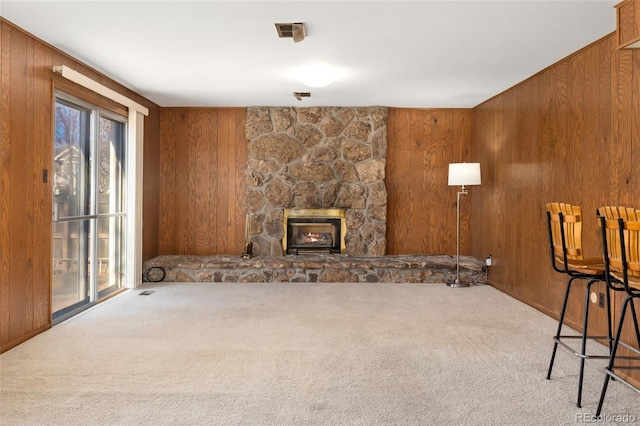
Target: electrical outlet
[488,261]
[601,300]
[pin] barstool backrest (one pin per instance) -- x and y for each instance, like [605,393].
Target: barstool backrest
[565,219]
[621,241]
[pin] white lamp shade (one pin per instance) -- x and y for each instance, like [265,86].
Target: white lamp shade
[461,174]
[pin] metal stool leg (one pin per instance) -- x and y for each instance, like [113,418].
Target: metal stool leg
[609,320]
[635,321]
[612,358]
[583,347]
[559,331]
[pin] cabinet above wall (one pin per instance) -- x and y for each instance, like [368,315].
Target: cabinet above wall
[628,24]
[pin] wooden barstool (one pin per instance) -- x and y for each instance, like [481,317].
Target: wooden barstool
[564,223]
[621,242]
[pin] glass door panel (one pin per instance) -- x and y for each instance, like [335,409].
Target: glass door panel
[71,178]
[110,267]
[110,214]
[88,208]
[70,273]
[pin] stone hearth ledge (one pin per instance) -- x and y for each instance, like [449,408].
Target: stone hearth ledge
[319,268]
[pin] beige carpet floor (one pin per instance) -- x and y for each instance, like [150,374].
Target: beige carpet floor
[302,354]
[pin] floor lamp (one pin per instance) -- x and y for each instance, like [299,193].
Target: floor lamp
[461,174]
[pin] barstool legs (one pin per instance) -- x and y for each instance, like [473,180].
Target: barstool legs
[556,338]
[583,339]
[612,358]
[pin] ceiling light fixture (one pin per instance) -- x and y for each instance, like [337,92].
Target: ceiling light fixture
[316,75]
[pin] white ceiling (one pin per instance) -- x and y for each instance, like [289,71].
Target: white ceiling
[391,53]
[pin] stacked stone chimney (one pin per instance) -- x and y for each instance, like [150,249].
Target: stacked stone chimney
[317,157]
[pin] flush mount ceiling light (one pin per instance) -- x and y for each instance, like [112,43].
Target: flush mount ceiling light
[316,75]
[295,30]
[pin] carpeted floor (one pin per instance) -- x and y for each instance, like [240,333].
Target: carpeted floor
[302,354]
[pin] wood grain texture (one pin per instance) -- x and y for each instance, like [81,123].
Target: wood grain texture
[628,22]
[421,144]
[151,185]
[203,162]
[26,147]
[567,134]
[5,156]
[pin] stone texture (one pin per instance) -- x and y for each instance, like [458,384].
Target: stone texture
[281,147]
[371,170]
[278,193]
[320,268]
[258,122]
[329,194]
[355,151]
[352,196]
[346,171]
[358,130]
[254,200]
[318,157]
[331,127]
[315,172]
[308,135]
[354,219]
[273,225]
[264,166]
[324,153]
[281,119]
[378,194]
[379,144]
[307,196]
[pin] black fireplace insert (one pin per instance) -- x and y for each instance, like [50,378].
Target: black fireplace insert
[313,235]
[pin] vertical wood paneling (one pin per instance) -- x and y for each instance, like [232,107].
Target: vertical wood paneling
[398,157]
[166,238]
[30,176]
[151,187]
[204,190]
[18,243]
[421,144]
[222,175]
[566,134]
[231,153]
[42,158]
[183,201]
[26,147]
[240,144]
[214,226]
[5,155]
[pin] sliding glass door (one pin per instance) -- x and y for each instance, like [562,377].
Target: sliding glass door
[88,209]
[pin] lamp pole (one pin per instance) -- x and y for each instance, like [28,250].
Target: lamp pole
[457,282]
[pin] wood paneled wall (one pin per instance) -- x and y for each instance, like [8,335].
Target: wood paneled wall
[567,134]
[203,162]
[550,138]
[203,158]
[26,147]
[421,208]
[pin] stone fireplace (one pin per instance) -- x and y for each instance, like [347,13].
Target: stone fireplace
[317,158]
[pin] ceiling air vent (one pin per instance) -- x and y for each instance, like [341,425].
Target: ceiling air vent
[295,30]
[300,95]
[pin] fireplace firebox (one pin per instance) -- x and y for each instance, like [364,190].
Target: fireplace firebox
[314,231]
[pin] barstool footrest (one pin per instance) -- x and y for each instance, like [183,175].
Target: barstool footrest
[621,380]
[578,353]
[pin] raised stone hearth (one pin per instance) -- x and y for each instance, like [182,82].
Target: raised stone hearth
[320,268]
